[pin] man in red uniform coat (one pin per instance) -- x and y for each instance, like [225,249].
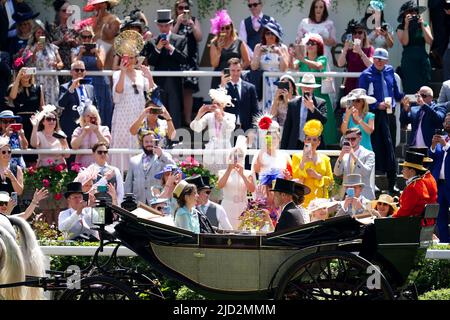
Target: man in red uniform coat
[415,196]
[428,178]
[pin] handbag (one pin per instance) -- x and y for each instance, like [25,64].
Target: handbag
[328,86]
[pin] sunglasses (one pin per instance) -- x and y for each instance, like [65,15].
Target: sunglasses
[100,152]
[50,119]
[183,7]
[226,28]
[358,32]
[86,37]
[423,95]
[358,100]
[311,43]
[79,70]
[254,5]
[2,203]
[269,33]
[208,192]
[8,121]
[382,204]
[6,151]
[351,138]
[136,91]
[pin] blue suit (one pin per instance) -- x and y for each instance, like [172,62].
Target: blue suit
[433,117]
[245,106]
[443,189]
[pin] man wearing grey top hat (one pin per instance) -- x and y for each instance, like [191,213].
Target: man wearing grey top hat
[167,53]
[354,202]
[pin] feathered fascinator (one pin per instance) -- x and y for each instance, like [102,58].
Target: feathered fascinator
[377,5]
[22,60]
[353,25]
[220,96]
[4,141]
[81,108]
[221,19]
[313,128]
[265,122]
[86,174]
[267,178]
[49,108]
[87,23]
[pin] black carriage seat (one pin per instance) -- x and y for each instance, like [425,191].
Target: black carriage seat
[333,230]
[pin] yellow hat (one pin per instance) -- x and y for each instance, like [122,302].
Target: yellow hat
[313,128]
[179,188]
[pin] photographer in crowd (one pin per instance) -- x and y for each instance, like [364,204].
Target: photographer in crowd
[286,91]
[354,202]
[14,131]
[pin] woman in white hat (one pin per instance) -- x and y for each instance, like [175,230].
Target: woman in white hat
[236,182]
[315,60]
[320,209]
[357,115]
[220,126]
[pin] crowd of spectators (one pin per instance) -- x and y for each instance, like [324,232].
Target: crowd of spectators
[132,109]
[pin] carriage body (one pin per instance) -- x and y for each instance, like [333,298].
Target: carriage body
[253,266]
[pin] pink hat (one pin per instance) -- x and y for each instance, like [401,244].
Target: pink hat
[90,5]
[221,19]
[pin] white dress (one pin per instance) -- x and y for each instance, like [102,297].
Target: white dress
[219,138]
[234,196]
[128,106]
[325,29]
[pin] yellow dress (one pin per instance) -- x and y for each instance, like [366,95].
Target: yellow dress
[319,188]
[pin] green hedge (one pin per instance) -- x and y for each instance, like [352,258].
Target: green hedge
[441,294]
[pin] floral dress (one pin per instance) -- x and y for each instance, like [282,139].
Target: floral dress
[50,84]
[269,62]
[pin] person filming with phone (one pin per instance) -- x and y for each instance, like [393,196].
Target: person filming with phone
[300,110]
[354,202]
[14,131]
[286,91]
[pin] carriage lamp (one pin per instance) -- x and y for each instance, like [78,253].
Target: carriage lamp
[102,215]
[129,203]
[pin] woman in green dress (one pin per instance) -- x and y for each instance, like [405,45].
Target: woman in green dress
[414,33]
[314,60]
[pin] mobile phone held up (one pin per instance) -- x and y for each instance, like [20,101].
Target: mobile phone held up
[350,192]
[439,132]
[163,36]
[88,47]
[226,72]
[30,71]
[283,85]
[85,81]
[307,95]
[16,127]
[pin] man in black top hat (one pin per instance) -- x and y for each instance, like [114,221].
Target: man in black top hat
[168,53]
[76,221]
[291,216]
[213,211]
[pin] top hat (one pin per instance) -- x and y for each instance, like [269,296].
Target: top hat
[73,187]
[289,187]
[422,150]
[414,160]
[164,16]
[352,180]
[409,6]
[272,25]
[308,80]
[201,182]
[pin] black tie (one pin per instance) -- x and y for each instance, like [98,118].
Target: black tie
[238,98]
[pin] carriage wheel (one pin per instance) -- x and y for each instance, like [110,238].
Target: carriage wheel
[144,287]
[332,276]
[100,288]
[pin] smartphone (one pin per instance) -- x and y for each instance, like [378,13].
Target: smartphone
[30,71]
[307,95]
[85,81]
[59,135]
[86,197]
[156,110]
[222,34]
[384,27]
[16,127]
[89,47]
[163,36]
[349,37]
[42,40]
[346,143]
[283,85]
[186,14]
[350,192]
[102,189]
[14,197]
[226,72]
[439,132]
[307,148]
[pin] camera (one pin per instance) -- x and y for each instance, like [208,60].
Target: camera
[30,71]
[439,132]
[16,127]
[186,14]
[283,85]
[102,214]
[85,197]
[85,81]
[89,47]
[346,143]
[156,110]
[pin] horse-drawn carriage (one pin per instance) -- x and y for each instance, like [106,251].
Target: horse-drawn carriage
[337,259]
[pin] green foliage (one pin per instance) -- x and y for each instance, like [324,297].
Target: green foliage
[44,231]
[441,294]
[184,293]
[432,274]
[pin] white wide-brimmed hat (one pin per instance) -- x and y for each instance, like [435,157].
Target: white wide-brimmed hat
[309,81]
[357,94]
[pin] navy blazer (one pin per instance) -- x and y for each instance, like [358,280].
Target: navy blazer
[433,118]
[246,106]
[66,101]
[438,157]
[292,128]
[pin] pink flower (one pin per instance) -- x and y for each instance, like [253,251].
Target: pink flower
[183,164]
[59,168]
[192,161]
[75,167]
[58,196]
[31,170]
[49,161]
[45,183]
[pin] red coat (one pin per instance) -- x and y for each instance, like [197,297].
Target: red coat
[413,199]
[431,186]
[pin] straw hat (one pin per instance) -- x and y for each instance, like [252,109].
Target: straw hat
[129,42]
[309,81]
[384,198]
[357,94]
[179,188]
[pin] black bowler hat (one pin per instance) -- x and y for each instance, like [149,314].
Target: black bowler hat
[201,182]
[73,187]
[421,150]
[414,160]
[290,187]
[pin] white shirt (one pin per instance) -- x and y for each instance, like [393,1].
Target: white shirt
[420,142]
[120,190]
[445,149]
[73,225]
